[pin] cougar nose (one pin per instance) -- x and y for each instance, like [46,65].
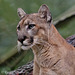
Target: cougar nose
[22,39]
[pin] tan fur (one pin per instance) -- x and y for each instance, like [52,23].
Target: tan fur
[58,58]
[52,54]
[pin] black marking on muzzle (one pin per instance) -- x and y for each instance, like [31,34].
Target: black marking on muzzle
[22,39]
[31,39]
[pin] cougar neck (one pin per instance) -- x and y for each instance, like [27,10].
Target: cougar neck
[54,40]
[55,37]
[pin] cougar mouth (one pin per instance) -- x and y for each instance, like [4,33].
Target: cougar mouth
[28,43]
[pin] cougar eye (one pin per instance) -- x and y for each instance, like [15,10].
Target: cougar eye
[31,26]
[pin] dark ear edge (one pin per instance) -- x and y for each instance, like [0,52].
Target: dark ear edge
[21,12]
[45,13]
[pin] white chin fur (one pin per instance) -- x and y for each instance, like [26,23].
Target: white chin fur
[19,46]
[24,48]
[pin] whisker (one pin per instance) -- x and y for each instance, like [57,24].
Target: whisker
[38,43]
[44,42]
[48,34]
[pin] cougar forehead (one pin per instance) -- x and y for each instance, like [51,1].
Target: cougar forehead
[32,18]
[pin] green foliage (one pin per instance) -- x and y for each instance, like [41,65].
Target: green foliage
[63,12]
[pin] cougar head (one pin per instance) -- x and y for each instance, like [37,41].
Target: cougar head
[33,27]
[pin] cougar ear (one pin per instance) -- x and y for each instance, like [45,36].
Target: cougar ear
[45,13]
[20,12]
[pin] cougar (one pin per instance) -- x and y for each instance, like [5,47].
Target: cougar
[52,54]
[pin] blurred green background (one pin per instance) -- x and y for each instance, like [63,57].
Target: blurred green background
[63,12]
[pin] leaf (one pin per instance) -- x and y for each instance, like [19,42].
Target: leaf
[10,53]
[67,14]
